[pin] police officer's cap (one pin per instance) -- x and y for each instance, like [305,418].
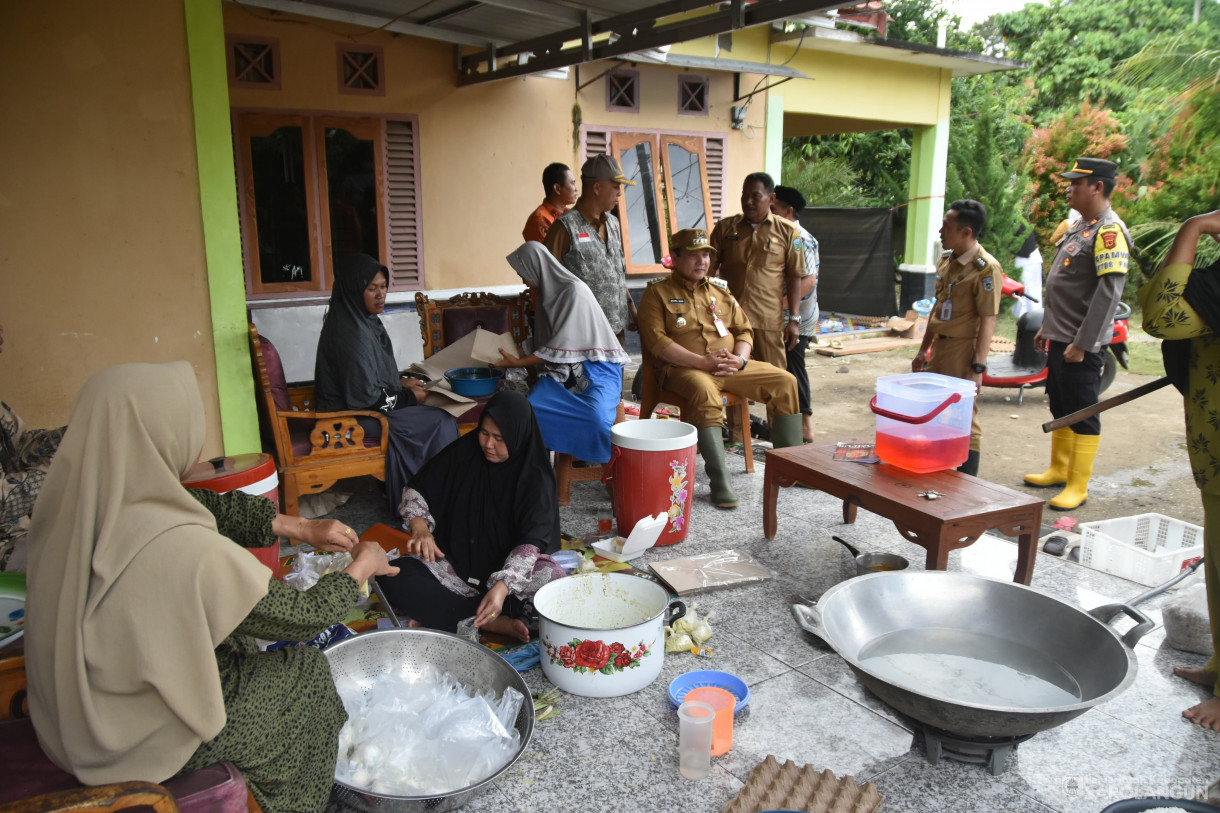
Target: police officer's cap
[1095,169]
[603,168]
[690,240]
[790,197]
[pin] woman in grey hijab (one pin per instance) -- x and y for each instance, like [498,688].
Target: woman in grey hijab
[580,383]
[355,369]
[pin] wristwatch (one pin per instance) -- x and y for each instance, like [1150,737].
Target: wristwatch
[744,362]
[979,368]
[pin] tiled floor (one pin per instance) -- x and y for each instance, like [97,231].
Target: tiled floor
[621,753]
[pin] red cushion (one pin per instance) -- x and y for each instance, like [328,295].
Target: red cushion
[29,772]
[457,322]
[275,372]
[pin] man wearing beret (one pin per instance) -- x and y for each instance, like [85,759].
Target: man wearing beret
[787,203]
[968,282]
[762,257]
[587,240]
[701,341]
[1084,286]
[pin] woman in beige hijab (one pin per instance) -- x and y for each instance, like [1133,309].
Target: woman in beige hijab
[141,615]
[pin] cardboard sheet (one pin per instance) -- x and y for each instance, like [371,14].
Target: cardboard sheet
[710,571]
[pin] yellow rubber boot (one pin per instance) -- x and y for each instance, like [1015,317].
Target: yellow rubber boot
[1079,472]
[1061,456]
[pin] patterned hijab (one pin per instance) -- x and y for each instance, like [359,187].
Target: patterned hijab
[355,360]
[569,325]
[131,587]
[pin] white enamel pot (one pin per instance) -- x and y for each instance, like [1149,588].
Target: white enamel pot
[602,633]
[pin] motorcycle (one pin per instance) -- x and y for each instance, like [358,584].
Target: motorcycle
[1025,367]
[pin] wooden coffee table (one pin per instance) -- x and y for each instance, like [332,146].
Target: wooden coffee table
[968,506]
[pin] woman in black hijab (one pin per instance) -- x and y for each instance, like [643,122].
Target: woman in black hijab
[482,515]
[355,369]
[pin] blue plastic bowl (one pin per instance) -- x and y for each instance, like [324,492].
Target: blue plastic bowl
[474,382]
[682,685]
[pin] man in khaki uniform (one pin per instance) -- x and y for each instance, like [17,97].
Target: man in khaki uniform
[701,340]
[968,282]
[762,258]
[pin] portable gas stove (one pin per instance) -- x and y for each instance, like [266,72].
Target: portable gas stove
[994,752]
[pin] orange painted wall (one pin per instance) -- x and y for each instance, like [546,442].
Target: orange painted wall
[101,248]
[482,147]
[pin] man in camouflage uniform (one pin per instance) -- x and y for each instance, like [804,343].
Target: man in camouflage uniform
[701,341]
[1084,285]
[967,302]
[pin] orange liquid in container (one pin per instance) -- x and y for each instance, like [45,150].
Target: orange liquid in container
[924,449]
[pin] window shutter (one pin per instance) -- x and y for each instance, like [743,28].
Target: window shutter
[714,147]
[404,234]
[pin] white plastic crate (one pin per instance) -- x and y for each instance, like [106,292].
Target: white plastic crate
[1145,548]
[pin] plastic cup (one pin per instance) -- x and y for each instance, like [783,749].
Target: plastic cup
[605,520]
[695,723]
[723,703]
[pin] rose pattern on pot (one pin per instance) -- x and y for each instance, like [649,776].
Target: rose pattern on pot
[596,656]
[677,495]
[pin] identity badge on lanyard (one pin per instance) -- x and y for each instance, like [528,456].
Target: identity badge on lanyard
[946,307]
[717,321]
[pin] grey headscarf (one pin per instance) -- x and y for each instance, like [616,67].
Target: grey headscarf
[569,325]
[355,364]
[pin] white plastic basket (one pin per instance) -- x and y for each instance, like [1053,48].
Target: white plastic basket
[1145,548]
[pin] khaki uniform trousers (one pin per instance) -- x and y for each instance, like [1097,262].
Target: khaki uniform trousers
[768,346]
[759,381]
[953,357]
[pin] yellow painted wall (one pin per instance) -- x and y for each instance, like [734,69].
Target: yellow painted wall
[102,250]
[482,147]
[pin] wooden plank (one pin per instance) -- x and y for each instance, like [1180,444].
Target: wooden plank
[856,346]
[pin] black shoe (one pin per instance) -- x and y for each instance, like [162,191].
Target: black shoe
[1055,545]
[759,428]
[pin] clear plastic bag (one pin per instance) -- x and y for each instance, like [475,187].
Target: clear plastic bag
[423,734]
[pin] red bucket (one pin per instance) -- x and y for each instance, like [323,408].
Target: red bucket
[652,471]
[249,473]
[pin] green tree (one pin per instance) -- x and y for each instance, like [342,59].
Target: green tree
[1074,47]
[983,135]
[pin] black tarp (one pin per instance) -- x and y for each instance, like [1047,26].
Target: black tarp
[857,255]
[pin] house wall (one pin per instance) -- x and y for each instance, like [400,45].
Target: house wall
[482,152]
[102,259]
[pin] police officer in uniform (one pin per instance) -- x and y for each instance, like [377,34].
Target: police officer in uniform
[701,340]
[1084,286]
[967,302]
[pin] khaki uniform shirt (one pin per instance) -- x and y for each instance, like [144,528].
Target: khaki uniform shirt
[757,261]
[967,289]
[674,310]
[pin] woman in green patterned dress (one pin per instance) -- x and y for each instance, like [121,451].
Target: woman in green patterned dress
[1181,304]
[142,615]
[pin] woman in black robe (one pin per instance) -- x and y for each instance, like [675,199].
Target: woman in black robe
[355,369]
[483,515]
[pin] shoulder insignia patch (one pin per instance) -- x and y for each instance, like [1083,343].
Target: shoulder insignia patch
[719,283]
[980,263]
[798,244]
[1109,239]
[988,283]
[658,279]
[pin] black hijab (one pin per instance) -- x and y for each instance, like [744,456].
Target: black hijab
[482,509]
[355,364]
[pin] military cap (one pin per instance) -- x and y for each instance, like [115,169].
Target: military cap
[603,168]
[690,240]
[1092,168]
[790,197]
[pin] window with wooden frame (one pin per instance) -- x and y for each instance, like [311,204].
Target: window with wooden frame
[679,185]
[312,188]
[692,95]
[623,92]
[253,62]
[361,69]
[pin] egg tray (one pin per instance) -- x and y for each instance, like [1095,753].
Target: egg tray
[787,786]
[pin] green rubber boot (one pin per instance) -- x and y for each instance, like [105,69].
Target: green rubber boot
[711,446]
[786,431]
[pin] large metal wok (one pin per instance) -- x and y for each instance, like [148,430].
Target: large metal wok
[973,656]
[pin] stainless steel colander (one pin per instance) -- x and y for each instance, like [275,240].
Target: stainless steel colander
[363,659]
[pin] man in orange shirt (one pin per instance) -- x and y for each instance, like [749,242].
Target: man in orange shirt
[560,186]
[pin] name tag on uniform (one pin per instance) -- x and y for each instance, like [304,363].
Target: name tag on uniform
[583,237]
[720,328]
[677,301]
[946,310]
